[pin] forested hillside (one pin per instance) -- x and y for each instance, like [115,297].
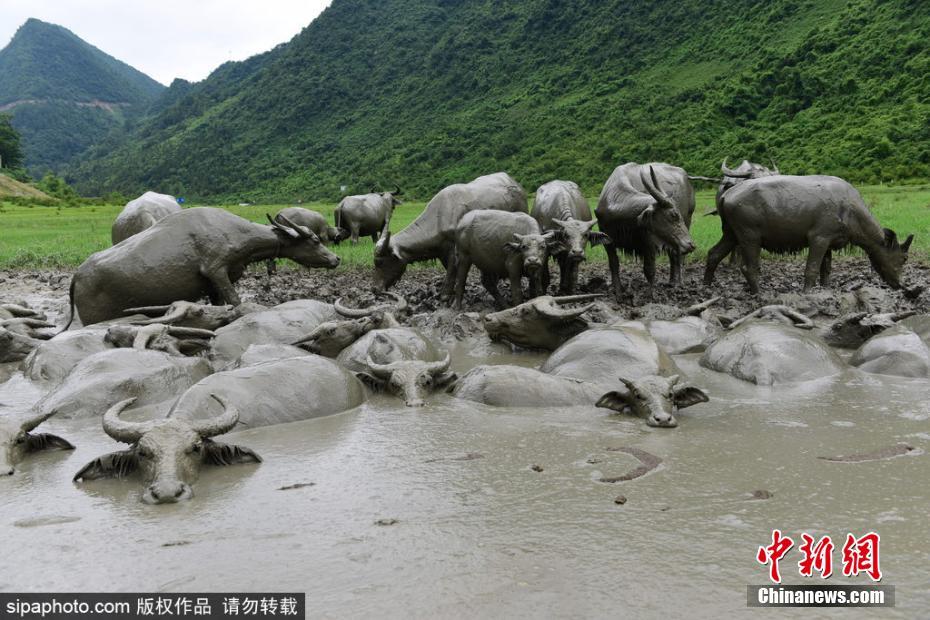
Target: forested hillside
[64,94]
[430,92]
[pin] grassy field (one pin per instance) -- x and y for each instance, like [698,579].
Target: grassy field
[37,237]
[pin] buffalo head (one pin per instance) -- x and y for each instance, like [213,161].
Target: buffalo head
[188,314]
[656,399]
[301,244]
[662,218]
[167,453]
[17,440]
[331,337]
[574,236]
[541,323]
[390,265]
[412,380]
[851,330]
[889,257]
[532,249]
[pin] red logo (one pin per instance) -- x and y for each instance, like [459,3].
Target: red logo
[860,555]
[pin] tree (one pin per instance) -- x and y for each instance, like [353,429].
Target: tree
[11,153]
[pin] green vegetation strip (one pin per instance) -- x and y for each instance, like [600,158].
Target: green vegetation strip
[52,237]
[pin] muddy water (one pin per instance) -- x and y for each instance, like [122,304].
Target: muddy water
[478,531]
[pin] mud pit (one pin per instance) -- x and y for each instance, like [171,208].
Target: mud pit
[475,531]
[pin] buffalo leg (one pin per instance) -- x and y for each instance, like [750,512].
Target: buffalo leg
[674,267]
[516,285]
[353,233]
[545,277]
[450,263]
[489,281]
[375,237]
[271,266]
[614,263]
[815,257]
[725,246]
[464,264]
[649,265]
[825,267]
[223,287]
[751,256]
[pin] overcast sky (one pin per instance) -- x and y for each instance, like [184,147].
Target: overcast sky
[170,38]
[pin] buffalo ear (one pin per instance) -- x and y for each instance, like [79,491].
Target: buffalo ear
[688,395]
[891,239]
[645,218]
[372,382]
[215,453]
[598,238]
[511,247]
[907,243]
[46,441]
[113,465]
[618,401]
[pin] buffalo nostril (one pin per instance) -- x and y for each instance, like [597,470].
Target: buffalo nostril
[415,403]
[179,492]
[10,472]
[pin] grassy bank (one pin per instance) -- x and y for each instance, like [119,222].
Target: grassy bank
[36,237]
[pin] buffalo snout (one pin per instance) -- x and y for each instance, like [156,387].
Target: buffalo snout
[167,493]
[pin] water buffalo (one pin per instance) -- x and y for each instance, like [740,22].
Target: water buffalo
[331,337]
[282,324]
[261,353]
[644,209]
[501,244]
[142,213]
[651,379]
[769,353]
[274,392]
[541,323]
[746,170]
[311,220]
[17,440]
[561,207]
[52,360]
[789,213]
[167,338]
[190,314]
[898,351]
[400,360]
[168,453]
[516,386]
[365,215]
[18,338]
[99,381]
[681,330]
[197,252]
[432,234]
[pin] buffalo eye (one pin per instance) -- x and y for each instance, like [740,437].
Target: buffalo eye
[21,438]
[143,453]
[427,380]
[197,448]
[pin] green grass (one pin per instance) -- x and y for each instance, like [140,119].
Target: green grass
[44,237]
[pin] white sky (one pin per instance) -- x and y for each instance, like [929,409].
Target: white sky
[170,38]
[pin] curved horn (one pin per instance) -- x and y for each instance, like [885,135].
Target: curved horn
[27,321]
[223,423]
[352,313]
[570,299]
[382,371]
[149,310]
[801,321]
[697,309]
[383,247]
[397,190]
[733,173]
[553,311]
[121,430]
[145,334]
[18,310]
[176,314]
[190,332]
[30,423]
[774,165]
[673,380]
[300,230]
[652,186]
[626,382]
[435,368]
[400,306]
[708,179]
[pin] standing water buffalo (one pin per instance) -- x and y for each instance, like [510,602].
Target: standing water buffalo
[365,215]
[501,244]
[17,439]
[788,213]
[142,213]
[561,207]
[644,209]
[432,234]
[168,453]
[196,252]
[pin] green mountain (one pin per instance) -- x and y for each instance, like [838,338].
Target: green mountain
[429,92]
[65,94]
